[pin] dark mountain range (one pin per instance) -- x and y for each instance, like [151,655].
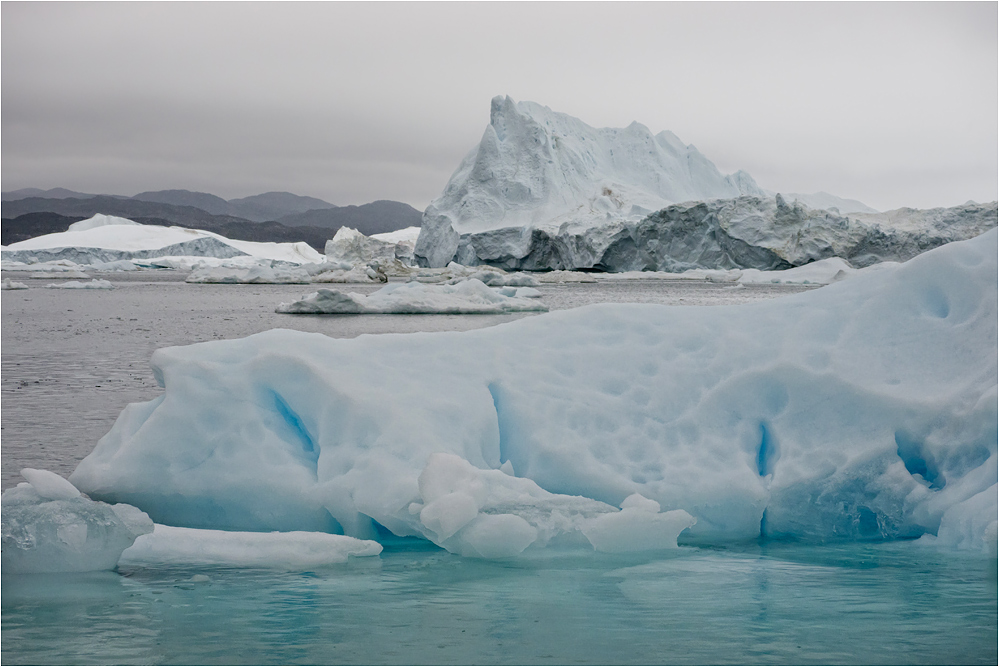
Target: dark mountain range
[274,206]
[54,193]
[201,210]
[31,225]
[206,202]
[375,218]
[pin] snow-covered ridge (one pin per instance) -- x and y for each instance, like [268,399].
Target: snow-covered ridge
[863,410]
[535,167]
[106,239]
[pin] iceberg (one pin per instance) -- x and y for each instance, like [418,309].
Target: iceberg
[537,169]
[545,191]
[864,410]
[107,239]
[466,297]
[391,251]
[48,526]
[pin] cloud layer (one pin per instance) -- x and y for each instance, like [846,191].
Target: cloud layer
[893,104]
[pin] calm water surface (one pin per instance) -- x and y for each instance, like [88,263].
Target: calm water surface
[73,359]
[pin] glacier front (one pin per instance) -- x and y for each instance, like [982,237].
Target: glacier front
[863,410]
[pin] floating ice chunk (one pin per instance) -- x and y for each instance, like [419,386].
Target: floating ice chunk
[637,528]
[76,284]
[255,275]
[49,527]
[467,297]
[297,550]
[496,278]
[9,284]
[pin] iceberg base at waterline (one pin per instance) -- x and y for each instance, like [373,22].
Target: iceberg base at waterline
[865,410]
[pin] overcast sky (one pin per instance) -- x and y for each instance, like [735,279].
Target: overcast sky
[894,104]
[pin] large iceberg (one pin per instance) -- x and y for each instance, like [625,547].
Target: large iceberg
[545,191]
[538,169]
[108,239]
[863,410]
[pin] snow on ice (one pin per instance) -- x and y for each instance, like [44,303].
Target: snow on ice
[465,297]
[863,410]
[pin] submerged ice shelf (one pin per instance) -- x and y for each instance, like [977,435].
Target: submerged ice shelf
[864,410]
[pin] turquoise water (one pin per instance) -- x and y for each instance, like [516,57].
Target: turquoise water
[757,604]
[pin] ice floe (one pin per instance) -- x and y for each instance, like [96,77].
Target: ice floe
[466,297]
[10,284]
[298,550]
[76,284]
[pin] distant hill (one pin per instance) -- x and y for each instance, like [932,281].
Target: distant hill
[203,200]
[30,225]
[375,218]
[274,206]
[54,193]
[202,210]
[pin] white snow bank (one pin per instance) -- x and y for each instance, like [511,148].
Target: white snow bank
[168,545]
[47,526]
[466,297]
[99,220]
[9,284]
[864,410]
[76,284]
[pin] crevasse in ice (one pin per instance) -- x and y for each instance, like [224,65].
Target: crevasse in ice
[863,410]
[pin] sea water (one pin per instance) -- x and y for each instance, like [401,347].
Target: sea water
[72,360]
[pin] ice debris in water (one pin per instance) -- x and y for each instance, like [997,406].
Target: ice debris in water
[10,284]
[466,297]
[168,545]
[76,284]
[863,410]
[48,526]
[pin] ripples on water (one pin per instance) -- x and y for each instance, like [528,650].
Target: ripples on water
[778,604]
[72,360]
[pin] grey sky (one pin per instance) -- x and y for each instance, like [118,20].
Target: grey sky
[894,104]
